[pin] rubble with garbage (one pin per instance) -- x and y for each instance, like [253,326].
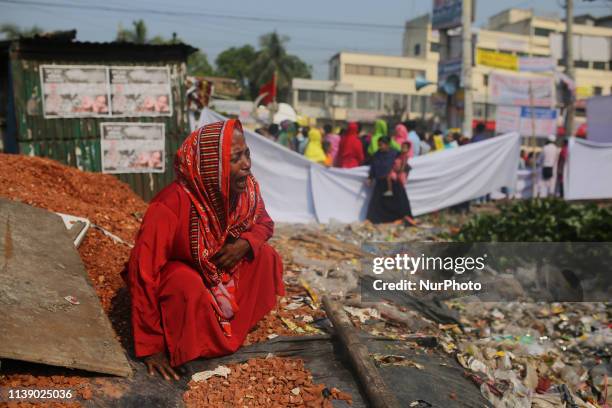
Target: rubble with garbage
[517,354]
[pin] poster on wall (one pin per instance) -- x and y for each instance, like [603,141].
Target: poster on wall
[509,118]
[132,147]
[515,90]
[74,91]
[140,91]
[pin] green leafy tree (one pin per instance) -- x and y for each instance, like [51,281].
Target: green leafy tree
[235,62]
[13,31]
[198,65]
[253,68]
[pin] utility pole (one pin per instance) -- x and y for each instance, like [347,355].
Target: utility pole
[468,106]
[569,64]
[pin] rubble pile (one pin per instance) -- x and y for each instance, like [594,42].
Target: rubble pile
[106,202]
[45,183]
[295,315]
[262,382]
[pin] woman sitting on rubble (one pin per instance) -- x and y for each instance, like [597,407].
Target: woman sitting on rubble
[201,274]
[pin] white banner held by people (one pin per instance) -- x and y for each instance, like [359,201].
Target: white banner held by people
[74,91]
[514,90]
[132,147]
[141,91]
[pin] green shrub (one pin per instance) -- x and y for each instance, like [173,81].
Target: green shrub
[540,220]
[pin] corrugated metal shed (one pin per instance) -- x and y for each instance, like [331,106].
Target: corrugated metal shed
[76,141]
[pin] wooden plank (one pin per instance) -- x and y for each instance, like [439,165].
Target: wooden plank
[375,387]
[39,268]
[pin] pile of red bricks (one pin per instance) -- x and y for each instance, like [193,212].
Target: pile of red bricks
[263,382]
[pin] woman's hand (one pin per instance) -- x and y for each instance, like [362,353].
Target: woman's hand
[368,182]
[160,363]
[231,253]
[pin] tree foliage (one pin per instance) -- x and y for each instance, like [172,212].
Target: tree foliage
[13,31]
[253,68]
[197,63]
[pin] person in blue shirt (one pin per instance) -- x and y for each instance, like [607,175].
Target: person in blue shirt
[413,137]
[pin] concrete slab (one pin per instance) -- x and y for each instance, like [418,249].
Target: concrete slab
[50,311]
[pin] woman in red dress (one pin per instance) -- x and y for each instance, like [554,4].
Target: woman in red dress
[201,274]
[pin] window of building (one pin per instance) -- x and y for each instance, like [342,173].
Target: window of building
[311,98]
[392,102]
[542,32]
[339,100]
[350,69]
[368,100]
[581,64]
[600,65]
[485,80]
[434,47]
[364,70]
[417,49]
[392,72]
[597,90]
[379,71]
[415,103]
[406,73]
[480,110]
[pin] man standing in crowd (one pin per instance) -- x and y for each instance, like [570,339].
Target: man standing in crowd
[550,157]
[479,134]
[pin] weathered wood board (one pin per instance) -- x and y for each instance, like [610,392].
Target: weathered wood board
[39,267]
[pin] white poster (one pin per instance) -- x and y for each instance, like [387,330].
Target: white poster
[537,64]
[74,91]
[515,90]
[141,91]
[132,147]
[525,120]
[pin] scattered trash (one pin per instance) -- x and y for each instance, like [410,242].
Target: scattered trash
[221,371]
[396,360]
[72,300]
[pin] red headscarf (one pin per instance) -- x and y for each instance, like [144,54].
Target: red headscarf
[350,152]
[202,167]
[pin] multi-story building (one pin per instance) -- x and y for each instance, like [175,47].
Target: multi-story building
[519,33]
[592,46]
[365,86]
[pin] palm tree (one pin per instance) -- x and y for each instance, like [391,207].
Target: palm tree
[12,31]
[273,58]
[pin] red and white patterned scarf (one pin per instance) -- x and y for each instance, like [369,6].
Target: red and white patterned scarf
[202,167]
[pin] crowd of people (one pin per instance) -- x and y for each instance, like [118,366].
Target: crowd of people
[354,146]
[388,154]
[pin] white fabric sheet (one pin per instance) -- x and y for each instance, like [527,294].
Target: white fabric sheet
[297,190]
[589,170]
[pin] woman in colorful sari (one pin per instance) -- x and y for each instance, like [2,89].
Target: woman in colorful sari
[380,130]
[399,138]
[314,148]
[350,152]
[285,137]
[201,274]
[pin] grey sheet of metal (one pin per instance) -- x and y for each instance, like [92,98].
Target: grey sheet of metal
[39,267]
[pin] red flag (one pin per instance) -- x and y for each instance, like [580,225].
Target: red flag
[270,89]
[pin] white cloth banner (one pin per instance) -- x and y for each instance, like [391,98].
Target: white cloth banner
[298,190]
[588,171]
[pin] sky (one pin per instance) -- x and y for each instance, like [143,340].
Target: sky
[317,29]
